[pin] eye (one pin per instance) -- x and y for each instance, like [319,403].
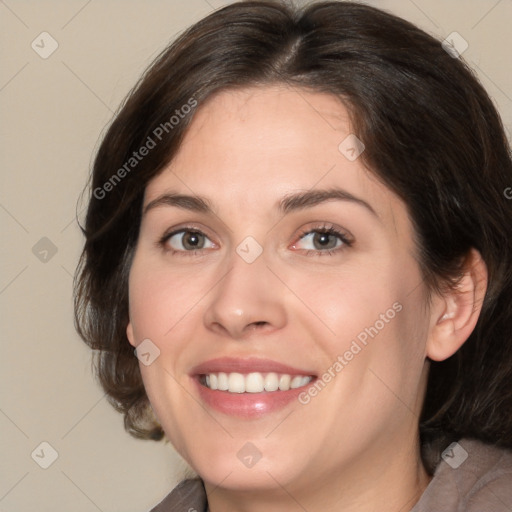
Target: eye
[326,239]
[187,240]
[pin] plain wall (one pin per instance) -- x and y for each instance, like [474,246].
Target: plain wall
[52,113]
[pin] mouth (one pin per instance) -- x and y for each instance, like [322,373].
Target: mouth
[254,382]
[249,388]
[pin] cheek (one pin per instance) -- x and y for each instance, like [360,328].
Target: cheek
[392,357]
[349,301]
[372,321]
[162,309]
[161,300]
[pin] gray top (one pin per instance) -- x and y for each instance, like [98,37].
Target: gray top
[470,477]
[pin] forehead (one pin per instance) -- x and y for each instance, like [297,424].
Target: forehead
[268,126]
[248,148]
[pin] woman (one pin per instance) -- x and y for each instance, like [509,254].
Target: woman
[298,221]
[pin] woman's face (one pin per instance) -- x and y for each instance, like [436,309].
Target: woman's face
[269,257]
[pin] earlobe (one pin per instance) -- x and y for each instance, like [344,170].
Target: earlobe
[456,312]
[129,334]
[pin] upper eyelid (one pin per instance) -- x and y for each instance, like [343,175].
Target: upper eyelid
[164,239]
[186,228]
[346,239]
[325,227]
[344,235]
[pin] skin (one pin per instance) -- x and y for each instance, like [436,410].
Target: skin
[354,446]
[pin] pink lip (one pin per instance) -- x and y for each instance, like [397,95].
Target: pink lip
[246,405]
[231,364]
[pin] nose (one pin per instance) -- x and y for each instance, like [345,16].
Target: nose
[247,300]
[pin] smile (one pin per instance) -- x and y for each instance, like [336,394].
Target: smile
[254,382]
[249,388]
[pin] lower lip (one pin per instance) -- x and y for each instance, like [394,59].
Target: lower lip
[248,405]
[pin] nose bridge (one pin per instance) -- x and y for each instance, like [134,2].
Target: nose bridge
[247,296]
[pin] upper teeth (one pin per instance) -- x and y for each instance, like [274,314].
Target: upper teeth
[254,382]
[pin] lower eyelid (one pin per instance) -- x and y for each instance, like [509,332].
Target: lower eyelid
[342,237]
[163,242]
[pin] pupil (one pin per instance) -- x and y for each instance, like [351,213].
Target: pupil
[192,240]
[324,240]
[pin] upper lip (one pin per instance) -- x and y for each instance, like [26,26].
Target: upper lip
[246,365]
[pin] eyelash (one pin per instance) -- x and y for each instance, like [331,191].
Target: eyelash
[327,229]
[324,229]
[162,243]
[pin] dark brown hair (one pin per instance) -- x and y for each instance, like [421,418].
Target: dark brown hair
[432,135]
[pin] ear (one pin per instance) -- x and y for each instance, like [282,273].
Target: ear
[455,312]
[129,335]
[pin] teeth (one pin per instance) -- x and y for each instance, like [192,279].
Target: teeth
[222,381]
[236,382]
[284,382]
[295,383]
[254,382]
[271,382]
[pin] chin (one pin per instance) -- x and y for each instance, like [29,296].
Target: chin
[243,465]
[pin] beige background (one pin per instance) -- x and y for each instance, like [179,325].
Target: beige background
[52,113]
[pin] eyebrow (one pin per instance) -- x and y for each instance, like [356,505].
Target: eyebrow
[291,202]
[186,202]
[312,198]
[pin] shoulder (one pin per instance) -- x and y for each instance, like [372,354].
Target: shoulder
[492,487]
[188,496]
[472,477]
